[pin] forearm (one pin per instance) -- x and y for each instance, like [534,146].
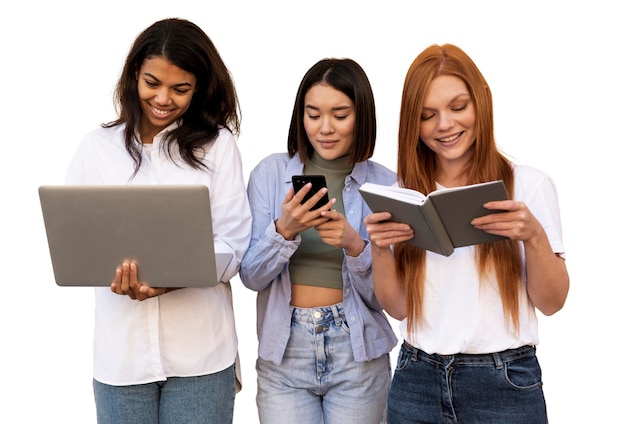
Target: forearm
[547,280]
[387,286]
[359,274]
[266,257]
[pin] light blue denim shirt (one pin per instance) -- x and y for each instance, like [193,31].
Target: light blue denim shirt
[265,266]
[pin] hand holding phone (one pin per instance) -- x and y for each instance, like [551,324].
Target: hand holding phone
[318,182]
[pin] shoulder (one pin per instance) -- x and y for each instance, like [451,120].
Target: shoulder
[530,180]
[103,138]
[275,162]
[224,139]
[528,172]
[106,133]
[224,135]
[377,173]
[525,174]
[273,171]
[223,146]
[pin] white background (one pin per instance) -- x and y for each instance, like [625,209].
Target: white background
[556,72]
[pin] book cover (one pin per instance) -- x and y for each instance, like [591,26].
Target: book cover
[441,220]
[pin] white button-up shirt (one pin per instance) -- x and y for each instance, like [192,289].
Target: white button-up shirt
[186,332]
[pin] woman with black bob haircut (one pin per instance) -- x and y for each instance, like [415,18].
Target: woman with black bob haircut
[347,77]
[169,355]
[324,340]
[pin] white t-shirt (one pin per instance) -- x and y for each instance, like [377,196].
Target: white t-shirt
[465,315]
[186,332]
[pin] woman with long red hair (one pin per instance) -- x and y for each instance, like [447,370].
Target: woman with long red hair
[468,320]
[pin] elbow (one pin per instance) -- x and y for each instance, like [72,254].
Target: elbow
[398,316]
[253,278]
[552,309]
[244,275]
[247,282]
[397,312]
[556,302]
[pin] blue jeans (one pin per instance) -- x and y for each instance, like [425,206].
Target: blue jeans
[498,388]
[318,380]
[177,400]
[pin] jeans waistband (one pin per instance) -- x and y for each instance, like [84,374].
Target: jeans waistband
[496,358]
[319,315]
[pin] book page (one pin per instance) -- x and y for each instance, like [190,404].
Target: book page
[458,206]
[406,195]
[408,206]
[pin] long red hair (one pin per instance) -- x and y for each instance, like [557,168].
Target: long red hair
[417,169]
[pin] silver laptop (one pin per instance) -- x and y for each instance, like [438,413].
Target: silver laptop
[166,229]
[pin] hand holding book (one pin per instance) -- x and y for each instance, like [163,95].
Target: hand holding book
[441,220]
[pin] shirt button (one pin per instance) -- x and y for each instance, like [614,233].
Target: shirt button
[317,315]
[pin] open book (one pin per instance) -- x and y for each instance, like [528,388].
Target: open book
[441,220]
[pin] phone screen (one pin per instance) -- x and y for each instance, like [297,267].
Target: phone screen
[318,182]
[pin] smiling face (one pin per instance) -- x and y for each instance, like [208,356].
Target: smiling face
[448,122]
[165,93]
[329,121]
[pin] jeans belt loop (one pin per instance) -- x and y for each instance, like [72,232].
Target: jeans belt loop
[336,315]
[498,360]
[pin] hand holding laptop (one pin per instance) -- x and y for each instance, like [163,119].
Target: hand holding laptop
[126,282]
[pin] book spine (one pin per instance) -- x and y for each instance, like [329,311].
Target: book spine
[439,231]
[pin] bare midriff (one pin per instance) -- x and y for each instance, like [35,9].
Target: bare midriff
[311,296]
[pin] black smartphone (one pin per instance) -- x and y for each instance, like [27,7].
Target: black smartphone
[318,182]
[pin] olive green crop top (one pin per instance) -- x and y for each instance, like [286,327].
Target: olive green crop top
[316,263]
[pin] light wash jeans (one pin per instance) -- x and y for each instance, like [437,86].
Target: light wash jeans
[178,400]
[318,380]
[498,388]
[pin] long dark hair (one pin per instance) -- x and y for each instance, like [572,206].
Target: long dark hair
[213,104]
